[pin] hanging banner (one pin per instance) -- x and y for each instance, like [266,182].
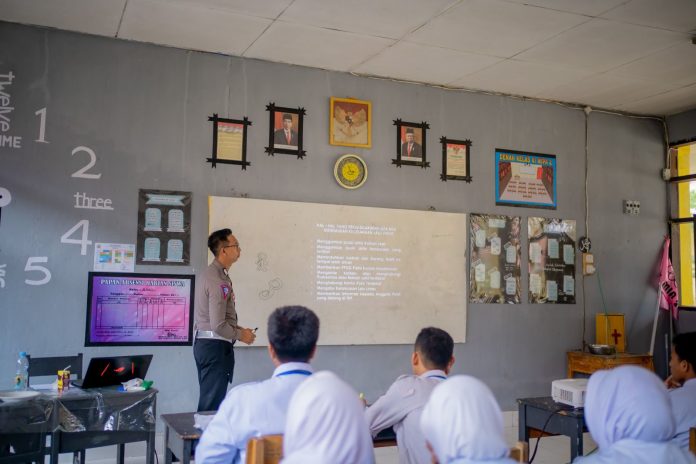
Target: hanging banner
[494,272]
[551,260]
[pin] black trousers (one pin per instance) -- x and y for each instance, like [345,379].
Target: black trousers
[215,364]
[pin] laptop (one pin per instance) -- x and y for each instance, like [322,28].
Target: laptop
[113,370]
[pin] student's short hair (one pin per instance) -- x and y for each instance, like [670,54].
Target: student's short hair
[216,239]
[293,332]
[435,345]
[685,347]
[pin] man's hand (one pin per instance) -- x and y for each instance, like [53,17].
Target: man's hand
[247,336]
[670,383]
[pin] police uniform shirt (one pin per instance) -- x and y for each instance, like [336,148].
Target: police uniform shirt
[250,410]
[215,303]
[684,410]
[401,407]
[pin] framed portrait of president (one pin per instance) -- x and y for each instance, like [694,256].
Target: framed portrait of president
[411,143]
[285,130]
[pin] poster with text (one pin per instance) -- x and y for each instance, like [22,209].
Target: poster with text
[494,273]
[525,179]
[551,260]
[116,257]
[164,227]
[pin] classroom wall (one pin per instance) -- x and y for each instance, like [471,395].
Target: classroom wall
[143,110]
[682,127]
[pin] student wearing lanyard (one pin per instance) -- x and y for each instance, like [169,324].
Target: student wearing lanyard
[259,408]
[403,403]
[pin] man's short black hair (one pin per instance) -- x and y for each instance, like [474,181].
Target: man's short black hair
[287,116]
[435,346]
[216,239]
[685,347]
[293,332]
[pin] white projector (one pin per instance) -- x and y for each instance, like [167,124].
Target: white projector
[569,391]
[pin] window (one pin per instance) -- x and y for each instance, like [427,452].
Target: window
[683,161]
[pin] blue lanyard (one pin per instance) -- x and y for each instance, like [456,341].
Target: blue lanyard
[437,377]
[296,371]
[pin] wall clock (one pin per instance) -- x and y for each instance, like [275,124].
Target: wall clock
[350,171]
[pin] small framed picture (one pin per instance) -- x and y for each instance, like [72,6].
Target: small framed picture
[285,130]
[526,179]
[350,122]
[411,143]
[229,141]
[455,159]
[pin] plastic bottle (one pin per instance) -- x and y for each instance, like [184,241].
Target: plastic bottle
[22,377]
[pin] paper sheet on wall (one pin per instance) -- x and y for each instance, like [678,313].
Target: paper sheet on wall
[553,248]
[551,290]
[535,283]
[114,257]
[495,246]
[480,238]
[568,254]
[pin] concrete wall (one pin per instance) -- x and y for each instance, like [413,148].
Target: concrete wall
[143,109]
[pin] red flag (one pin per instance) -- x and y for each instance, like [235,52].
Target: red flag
[669,294]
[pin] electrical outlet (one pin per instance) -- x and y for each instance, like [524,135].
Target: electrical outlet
[631,207]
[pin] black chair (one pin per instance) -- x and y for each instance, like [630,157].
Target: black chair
[41,367]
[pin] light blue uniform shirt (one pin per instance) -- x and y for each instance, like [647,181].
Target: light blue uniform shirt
[250,410]
[401,407]
[684,409]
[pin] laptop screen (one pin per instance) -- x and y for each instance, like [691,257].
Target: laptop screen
[107,371]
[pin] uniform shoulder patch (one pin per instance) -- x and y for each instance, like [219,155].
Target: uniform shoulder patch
[226,290]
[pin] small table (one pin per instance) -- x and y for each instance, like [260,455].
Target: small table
[180,436]
[540,417]
[588,363]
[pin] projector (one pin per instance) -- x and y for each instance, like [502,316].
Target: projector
[569,391]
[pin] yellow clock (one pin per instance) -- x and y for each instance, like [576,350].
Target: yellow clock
[350,171]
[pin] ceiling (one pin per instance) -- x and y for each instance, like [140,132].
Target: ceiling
[629,55]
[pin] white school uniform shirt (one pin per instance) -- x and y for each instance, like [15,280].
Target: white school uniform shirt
[684,410]
[629,414]
[250,410]
[464,424]
[326,425]
[401,407]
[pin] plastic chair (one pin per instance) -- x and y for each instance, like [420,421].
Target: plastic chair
[41,367]
[267,449]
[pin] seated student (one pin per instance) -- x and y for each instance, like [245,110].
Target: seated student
[628,412]
[401,406]
[462,423]
[259,408]
[682,385]
[326,424]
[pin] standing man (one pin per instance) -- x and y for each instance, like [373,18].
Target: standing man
[216,322]
[286,135]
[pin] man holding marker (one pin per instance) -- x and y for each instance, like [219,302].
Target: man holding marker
[216,322]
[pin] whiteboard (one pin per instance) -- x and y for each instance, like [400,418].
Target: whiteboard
[372,275]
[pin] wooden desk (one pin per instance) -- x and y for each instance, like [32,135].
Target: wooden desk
[539,417]
[181,437]
[587,363]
